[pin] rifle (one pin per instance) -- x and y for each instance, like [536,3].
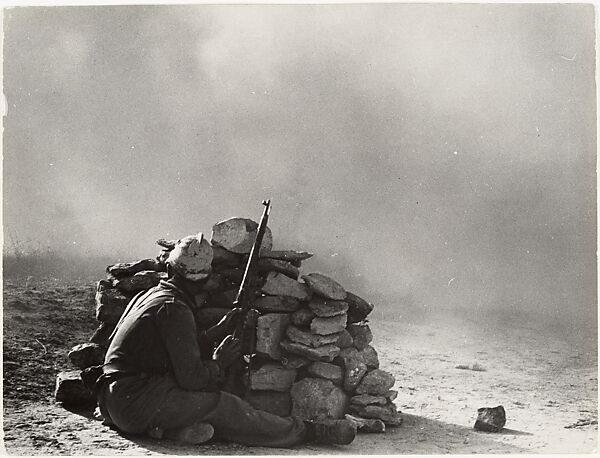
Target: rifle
[245,297]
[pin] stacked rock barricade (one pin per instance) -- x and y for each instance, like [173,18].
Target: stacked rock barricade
[314,357]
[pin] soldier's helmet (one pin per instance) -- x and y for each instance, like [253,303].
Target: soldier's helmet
[192,257]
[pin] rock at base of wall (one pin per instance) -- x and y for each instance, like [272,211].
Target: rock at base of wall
[329,325]
[302,317]
[271,401]
[490,419]
[270,329]
[272,377]
[278,284]
[361,334]
[325,353]
[358,308]
[277,304]
[311,340]
[318,399]
[86,355]
[325,286]
[377,382]
[70,389]
[387,414]
[367,425]
[327,371]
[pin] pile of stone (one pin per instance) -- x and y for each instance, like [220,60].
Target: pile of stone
[313,353]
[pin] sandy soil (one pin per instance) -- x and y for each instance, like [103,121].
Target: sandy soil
[547,384]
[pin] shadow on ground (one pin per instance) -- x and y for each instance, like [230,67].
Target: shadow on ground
[417,435]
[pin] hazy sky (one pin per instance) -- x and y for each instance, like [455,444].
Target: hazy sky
[431,155]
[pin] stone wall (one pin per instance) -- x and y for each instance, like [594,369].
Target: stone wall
[313,353]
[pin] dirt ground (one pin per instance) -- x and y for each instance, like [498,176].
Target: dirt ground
[546,383]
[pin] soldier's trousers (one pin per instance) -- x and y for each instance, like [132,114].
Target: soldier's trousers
[140,404]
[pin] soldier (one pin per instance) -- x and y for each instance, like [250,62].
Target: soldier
[161,376]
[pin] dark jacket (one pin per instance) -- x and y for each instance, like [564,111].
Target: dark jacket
[157,334]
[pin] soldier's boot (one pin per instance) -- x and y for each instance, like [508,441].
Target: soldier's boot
[340,432]
[195,434]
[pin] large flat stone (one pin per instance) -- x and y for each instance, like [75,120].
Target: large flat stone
[140,281]
[238,234]
[278,284]
[87,354]
[329,325]
[280,304]
[327,371]
[361,335]
[306,338]
[270,330]
[272,377]
[318,399]
[358,308]
[302,317]
[324,286]
[325,353]
[277,265]
[70,389]
[377,382]
[287,255]
[125,269]
[327,307]
[271,401]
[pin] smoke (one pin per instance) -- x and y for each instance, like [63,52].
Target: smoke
[434,157]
